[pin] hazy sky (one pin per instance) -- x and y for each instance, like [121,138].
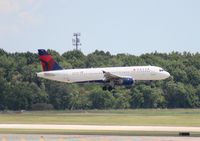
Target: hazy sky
[118,26]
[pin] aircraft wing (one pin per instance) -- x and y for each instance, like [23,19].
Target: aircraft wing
[110,76]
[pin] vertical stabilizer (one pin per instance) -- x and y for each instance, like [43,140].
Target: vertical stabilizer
[47,61]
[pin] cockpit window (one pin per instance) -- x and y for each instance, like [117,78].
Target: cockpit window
[161,70]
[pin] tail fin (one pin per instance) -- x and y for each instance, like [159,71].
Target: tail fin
[47,61]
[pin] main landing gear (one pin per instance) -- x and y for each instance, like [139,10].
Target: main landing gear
[107,87]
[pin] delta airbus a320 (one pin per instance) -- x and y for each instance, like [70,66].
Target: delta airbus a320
[109,76]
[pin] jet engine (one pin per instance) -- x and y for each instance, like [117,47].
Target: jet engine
[128,81]
[124,81]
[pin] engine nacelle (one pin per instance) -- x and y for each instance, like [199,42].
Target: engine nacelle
[126,81]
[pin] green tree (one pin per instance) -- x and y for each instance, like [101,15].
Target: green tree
[76,58]
[122,99]
[101,99]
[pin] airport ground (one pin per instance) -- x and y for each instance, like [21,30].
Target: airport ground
[140,117]
[39,137]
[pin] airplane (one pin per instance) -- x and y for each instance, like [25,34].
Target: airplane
[109,76]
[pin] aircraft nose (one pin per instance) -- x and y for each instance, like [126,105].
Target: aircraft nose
[167,74]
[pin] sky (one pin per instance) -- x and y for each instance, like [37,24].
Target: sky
[118,26]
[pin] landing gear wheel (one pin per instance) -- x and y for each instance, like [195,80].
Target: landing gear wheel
[104,88]
[107,87]
[110,88]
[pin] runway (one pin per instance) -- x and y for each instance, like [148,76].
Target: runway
[100,127]
[47,137]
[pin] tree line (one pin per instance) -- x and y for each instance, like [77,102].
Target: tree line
[21,89]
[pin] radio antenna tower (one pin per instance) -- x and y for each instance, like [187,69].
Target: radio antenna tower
[76,40]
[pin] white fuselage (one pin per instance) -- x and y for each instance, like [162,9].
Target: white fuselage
[97,75]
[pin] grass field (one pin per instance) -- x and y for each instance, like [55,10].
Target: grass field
[162,117]
[89,132]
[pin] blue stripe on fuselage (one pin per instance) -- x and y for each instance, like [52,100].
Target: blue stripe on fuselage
[92,81]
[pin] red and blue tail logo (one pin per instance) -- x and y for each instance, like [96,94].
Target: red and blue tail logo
[47,61]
